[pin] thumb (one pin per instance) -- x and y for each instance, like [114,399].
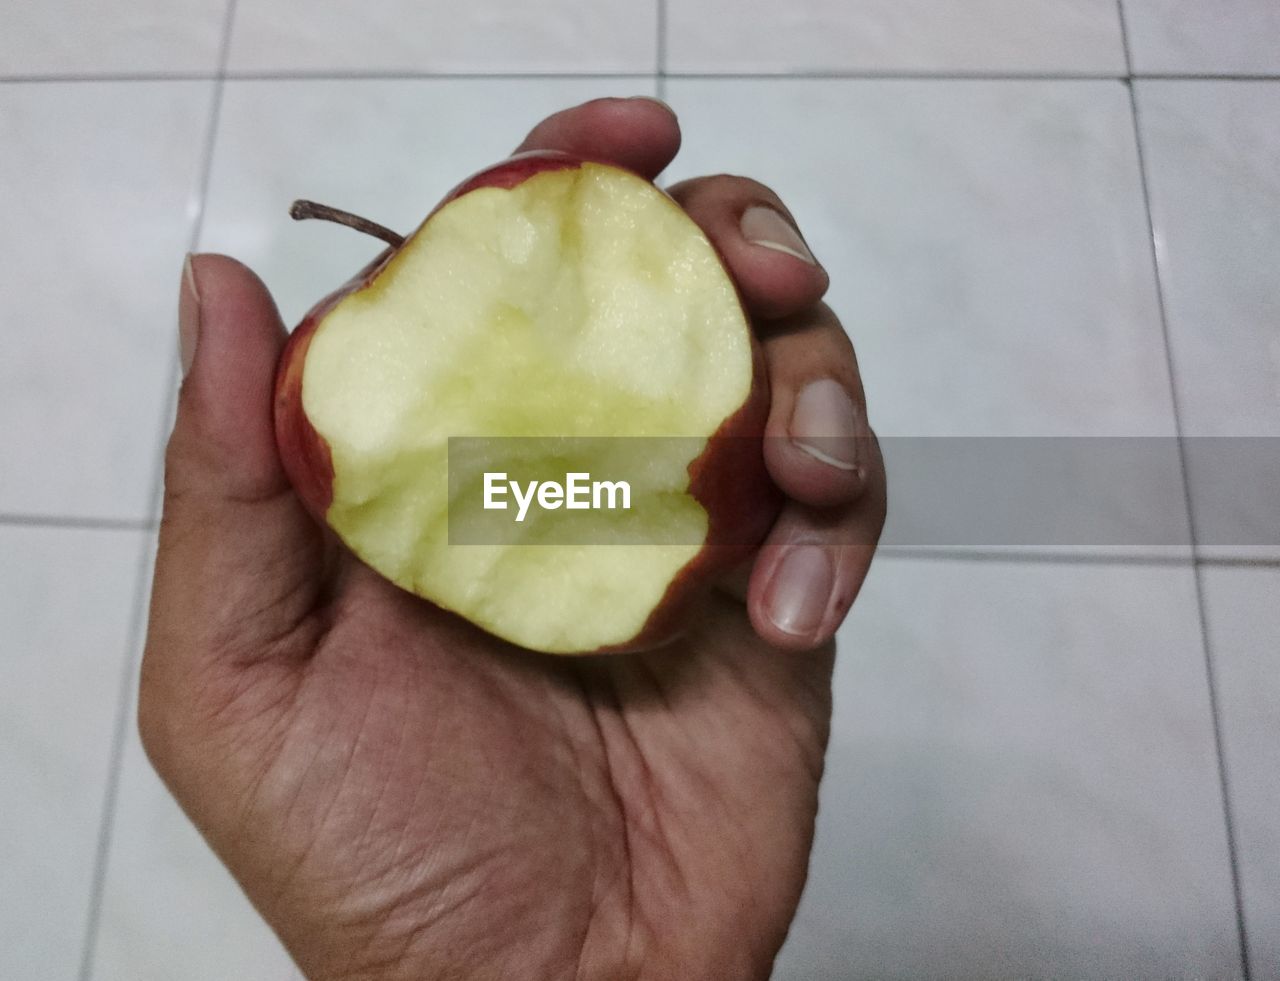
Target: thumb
[239,564]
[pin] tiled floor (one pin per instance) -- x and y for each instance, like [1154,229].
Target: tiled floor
[1030,751]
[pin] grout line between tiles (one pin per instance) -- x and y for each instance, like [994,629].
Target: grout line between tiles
[1214,77]
[946,553]
[374,75]
[1124,39]
[891,74]
[137,621]
[73,77]
[1133,559]
[1029,556]
[660,51]
[1215,708]
[1215,711]
[73,522]
[662,73]
[321,75]
[1237,562]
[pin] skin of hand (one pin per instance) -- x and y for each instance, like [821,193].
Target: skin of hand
[404,797]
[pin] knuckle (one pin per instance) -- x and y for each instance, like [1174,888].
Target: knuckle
[724,187]
[741,186]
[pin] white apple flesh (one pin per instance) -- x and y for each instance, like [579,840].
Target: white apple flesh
[547,297]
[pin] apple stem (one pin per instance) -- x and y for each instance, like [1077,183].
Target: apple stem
[310,209]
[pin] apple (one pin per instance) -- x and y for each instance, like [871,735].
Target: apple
[571,304]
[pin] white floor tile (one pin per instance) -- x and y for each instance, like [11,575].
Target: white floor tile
[170,908]
[989,256]
[1021,782]
[97,186]
[895,35]
[73,37]
[1244,634]
[481,36]
[66,598]
[1211,149]
[386,149]
[986,242]
[1194,37]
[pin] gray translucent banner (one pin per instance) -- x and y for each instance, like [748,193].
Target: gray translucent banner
[944,492]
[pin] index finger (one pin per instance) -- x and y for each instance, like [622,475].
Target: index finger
[639,133]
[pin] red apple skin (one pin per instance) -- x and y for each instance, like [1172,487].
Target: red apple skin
[731,482]
[729,479]
[303,452]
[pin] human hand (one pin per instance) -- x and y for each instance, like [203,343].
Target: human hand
[403,796]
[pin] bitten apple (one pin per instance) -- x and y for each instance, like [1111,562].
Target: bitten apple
[553,297]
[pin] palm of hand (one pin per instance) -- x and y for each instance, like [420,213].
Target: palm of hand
[410,789]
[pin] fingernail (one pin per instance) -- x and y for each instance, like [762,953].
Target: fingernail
[824,424]
[188,316]
[764,226]
[801,588]
[649,98]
